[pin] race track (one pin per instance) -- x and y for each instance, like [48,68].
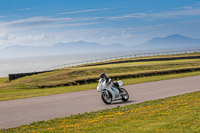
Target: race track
[24,111]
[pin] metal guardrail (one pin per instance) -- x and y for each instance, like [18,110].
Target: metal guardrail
[123,57]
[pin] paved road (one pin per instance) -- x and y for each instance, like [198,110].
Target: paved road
[24,111]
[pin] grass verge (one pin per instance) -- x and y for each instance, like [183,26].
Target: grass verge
[11,94]
[174,114]
[3,80]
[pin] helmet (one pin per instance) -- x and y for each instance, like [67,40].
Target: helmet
[103,75]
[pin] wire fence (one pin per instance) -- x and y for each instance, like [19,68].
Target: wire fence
[123,57]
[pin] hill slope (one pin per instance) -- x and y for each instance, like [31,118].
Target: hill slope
[172,41]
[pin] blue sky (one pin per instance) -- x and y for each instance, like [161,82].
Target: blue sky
[129,22]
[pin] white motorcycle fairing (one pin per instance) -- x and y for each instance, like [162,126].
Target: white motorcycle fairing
[109,88]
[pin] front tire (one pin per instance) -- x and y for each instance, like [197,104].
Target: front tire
[107,98]
[124,95]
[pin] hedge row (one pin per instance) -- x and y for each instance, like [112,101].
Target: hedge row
[20,75]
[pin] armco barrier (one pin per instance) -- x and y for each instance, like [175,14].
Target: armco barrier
[19,75]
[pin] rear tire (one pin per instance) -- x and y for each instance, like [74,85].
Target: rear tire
[106,98]
[124,94]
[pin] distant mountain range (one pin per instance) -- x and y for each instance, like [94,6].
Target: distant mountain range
[58,49]
[172,41]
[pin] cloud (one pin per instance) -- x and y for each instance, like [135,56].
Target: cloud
[172,14]
[81,24]
[133,15]
[90,18]
[191,21]
[40,39]
[3,36]
[125,34]
[189,11]
[119,34]
[81,11]
[44,22]
[33,22]
[25,9]
[190,7]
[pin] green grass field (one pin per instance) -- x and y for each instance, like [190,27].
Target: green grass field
[170,115]
[58,78]
[30,86]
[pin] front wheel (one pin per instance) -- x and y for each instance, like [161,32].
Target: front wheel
[106,97]
[124,94]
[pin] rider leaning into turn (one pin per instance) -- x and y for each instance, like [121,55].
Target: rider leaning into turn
[109,80]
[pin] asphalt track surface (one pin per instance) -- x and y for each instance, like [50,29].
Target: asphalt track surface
[25,111]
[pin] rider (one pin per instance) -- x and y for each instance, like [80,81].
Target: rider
[104,77]
[109,80]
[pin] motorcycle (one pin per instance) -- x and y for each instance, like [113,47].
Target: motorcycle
[112,91]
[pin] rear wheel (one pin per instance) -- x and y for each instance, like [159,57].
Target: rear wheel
[124,94]
[106,97]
